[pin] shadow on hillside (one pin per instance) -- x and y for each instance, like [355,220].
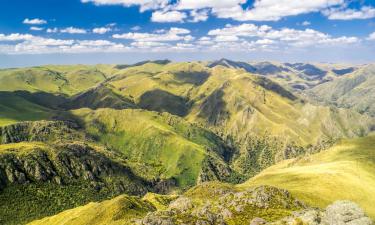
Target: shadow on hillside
[99,97]
[163,101]
[196,78]
[40,98]
[274,87]
[213,109]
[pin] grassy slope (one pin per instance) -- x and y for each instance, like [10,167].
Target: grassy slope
[212,94]
[155,145]
[121,210]
[22,203]
[345,171]
[15,109]
[67,80]
[354,91]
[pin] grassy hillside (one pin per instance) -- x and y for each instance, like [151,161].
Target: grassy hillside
[345,171]
[15,108]
[209,203]
[67,80]
[122,210]
[39,179]
[156,146]
[246,110]
[356,91]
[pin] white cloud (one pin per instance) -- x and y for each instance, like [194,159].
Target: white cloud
[73,30]
[365,12]
[36,28]
[285,36]
[148,44]
[16,37]
[306,23]
[101,30]
[273,10]
[52,30]
[226,38]
[173,34]
[144,4]
[168,16]
[35,21]
[371,37]
[136,28]
[198,15]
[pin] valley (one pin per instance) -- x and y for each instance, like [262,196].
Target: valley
[161,142]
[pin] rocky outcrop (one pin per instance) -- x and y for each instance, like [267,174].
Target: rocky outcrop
[66,163]
[39,131]
[338,213]
[232,207]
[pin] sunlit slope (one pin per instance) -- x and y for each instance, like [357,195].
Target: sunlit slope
[122,210]
[156,146]
[67,80]
[242,104]
[234,102]
[345,171]
[356,91]
[14,108]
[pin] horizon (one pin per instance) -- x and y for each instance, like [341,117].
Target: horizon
[114,31]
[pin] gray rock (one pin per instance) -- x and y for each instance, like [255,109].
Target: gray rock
[258,221]
[345,213]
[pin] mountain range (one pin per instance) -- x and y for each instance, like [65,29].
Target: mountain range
[159,142]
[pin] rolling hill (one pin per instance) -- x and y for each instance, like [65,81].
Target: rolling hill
[355,91]
[344,171]
[76,134]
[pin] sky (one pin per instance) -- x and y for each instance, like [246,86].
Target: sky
[37,32]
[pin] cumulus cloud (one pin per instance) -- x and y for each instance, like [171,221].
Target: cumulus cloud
[306,23]
[30,44]
[36,28]
[136,28]
[285,36]
[101,30]
[198,15]
[35,21]
[52,30]
[365,12]
[144,4]
[73,30]
[371,37]
[173,34]
[168,16]
[259,10]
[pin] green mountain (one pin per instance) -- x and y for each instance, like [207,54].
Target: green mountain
[355,91]
[344,171]
[70,135]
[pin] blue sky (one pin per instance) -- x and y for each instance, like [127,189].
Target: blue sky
[38,32]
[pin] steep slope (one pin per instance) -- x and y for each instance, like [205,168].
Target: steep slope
[355,91]
[345,171]
[296,76]
[50,166]
[211,203]
[265,121]
[67,80]
[160,146]
[15,108]
[122,210]
[257,116]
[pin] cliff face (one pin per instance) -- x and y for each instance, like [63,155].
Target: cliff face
[65,163]
[39,131]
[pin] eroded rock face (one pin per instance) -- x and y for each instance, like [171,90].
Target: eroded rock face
[229,207]
[338,213]
[39,131]
[66,163]
[345,213]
